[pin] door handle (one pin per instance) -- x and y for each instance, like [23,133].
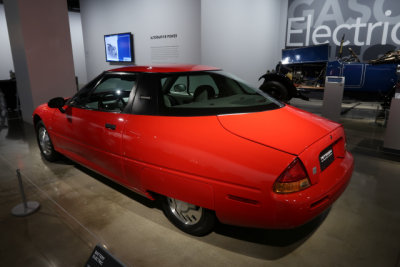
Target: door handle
[111,126]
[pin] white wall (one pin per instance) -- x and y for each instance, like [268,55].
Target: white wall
[243,37]
[78,51]
[6,63]
[144,19]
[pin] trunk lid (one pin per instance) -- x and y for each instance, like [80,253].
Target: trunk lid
[288,129]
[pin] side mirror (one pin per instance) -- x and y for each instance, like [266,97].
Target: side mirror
[57,102]
[180,88]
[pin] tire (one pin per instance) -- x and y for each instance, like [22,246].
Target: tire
[276,89]
[45,144]
[187,217]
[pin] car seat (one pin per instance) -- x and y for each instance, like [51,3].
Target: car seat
[203,92]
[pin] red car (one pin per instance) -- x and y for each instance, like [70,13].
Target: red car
[209,145]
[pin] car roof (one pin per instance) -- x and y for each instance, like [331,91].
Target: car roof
[164,68]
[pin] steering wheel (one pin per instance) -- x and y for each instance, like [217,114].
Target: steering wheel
[123,103]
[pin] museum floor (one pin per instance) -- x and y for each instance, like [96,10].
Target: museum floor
[80,209]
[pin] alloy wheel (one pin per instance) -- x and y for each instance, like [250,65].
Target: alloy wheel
[187,213]
[44,141]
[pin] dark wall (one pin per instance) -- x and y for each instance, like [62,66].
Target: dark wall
[371,27]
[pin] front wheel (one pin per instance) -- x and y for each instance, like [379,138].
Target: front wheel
[189,218]
[44,142]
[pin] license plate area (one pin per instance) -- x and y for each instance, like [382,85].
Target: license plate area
[326,157]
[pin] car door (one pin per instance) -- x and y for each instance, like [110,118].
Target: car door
[93,123]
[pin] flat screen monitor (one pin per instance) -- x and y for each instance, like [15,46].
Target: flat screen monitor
[119,47]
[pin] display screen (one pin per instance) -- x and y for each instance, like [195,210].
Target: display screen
[118,47]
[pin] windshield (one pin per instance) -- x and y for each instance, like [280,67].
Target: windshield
[211,93]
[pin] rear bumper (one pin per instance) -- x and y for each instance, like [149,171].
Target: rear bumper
[285,211]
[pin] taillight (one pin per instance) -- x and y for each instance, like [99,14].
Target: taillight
[293,179]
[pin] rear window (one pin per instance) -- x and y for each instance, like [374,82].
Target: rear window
[210,93]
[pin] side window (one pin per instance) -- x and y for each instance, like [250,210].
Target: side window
[163,81]
[83,93]
[111,94]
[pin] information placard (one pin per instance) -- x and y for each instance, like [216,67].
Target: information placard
[100,257]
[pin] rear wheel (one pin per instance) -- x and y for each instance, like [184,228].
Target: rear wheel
[276,89]
[189,218]
[44,142]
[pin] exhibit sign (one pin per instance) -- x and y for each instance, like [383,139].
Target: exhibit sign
[101,257]
[370,27]
[164,48]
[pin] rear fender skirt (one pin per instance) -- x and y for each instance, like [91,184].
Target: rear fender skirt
[182,186]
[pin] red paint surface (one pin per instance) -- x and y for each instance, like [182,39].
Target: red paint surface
[225,163]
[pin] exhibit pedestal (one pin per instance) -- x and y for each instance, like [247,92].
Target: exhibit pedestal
[333,95]
[392,134]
